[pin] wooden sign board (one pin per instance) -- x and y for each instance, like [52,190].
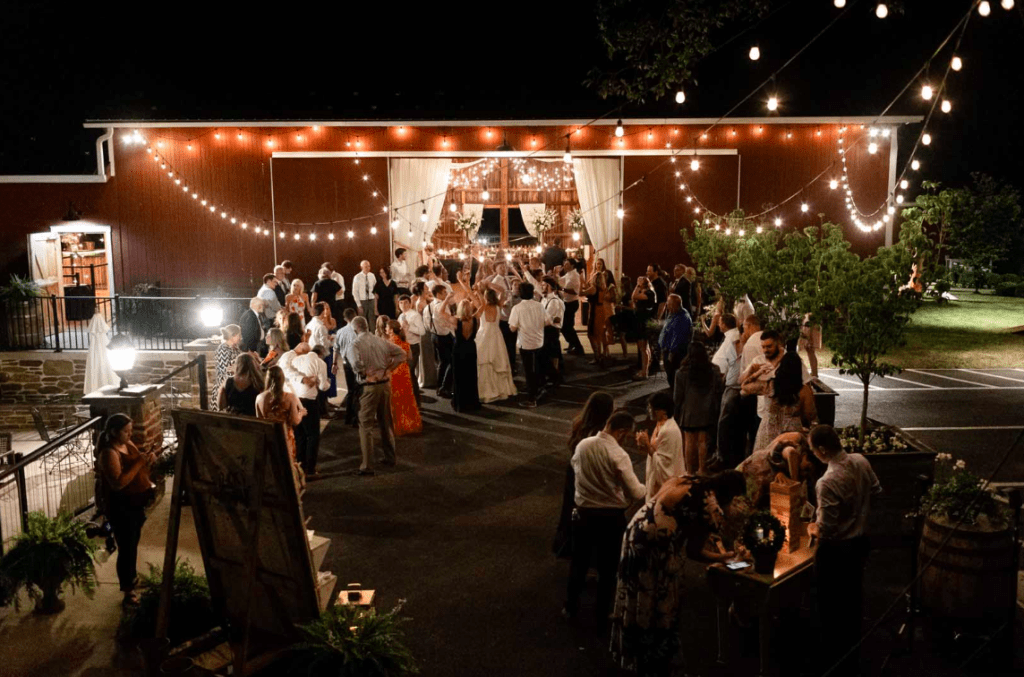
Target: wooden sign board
[248,516]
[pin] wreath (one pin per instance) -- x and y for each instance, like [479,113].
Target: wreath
[763,533]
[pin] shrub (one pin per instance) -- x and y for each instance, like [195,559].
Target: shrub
[1006,289]
[960,496]
[191,613]
[1011,277]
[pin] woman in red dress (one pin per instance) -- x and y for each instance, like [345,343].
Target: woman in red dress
[404,411]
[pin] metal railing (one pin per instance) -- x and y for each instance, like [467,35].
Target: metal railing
[57,477]
[153,322]
[186,387]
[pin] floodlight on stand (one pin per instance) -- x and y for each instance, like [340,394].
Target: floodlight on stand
[121,353]
[211,316]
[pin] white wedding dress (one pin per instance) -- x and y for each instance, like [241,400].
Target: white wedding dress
[494,376]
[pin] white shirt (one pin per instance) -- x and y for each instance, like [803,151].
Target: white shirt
[844,496]
[336,276]
[318,334]
[527,319]
[727,360]
[297,367]
[435,320]
[271,305]
[400,274]
[570,286]
[554,308]
[604,474]
[413,323]
[362,286]
[751,349]
[667,459]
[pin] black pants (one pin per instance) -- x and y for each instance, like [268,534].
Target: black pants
[307,437]
[839,575]
[533,366]
[569,326]
[127,522]
[596,537]
[510,344]
[749,422]
[553,361]
[671,362]
[443,346]
[414,368]
[352,397]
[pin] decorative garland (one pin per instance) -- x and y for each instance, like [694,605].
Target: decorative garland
[763,533]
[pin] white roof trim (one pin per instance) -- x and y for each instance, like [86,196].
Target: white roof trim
[853,119]
[53,178]
[664,152]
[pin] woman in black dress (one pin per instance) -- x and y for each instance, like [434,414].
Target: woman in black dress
[239,392]
[386,291]
[465,396]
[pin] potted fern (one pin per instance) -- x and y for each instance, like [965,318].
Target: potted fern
[351,641]
[23,318]
[47,556]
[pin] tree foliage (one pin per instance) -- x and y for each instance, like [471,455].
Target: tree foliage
[652,45]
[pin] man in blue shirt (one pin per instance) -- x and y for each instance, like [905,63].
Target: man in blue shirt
[675,336]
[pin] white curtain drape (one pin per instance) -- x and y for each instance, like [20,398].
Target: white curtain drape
[529,210]
[98,372]
[597,185]
[476,210]
[417,184]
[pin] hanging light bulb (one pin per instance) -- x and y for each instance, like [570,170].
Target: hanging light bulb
[394,224]
[312,236]
[904,184]
[296,236]
[567,157]
[947,105]
[452,207]
[620,212]
[423,215]
[350,234]
[486,195]
[833,184]
[915,165]
[755,53]
[805,207]
[957,63]
[899,199]
[373,230]
[619,131]
[773,103]
[984,8]
[694,164]
[1006,4]
[330,236]
[872,147]
[926,139]
[680,96]
[244,225]
[840,3]
[778,222]
[575,237]
[926,92]
[882,10]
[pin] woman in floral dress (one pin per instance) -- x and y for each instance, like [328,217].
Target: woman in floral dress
[645,624]
[404,411]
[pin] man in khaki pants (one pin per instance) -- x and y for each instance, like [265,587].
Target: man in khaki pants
[373,359]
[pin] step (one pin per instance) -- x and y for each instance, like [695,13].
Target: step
[318,550]
[325,587]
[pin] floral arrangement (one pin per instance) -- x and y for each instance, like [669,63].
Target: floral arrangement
[576,223]
[960,496]
[467,223]
[544,221]
[763,533]
[880,440]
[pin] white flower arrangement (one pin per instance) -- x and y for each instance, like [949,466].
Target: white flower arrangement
[544,221]
[576,222]
[467,223]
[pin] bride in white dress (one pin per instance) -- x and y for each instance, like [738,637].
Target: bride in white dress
[494,376]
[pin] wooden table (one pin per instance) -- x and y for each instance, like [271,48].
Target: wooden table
[768,593]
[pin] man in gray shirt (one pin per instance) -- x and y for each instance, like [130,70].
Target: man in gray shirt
[373,360]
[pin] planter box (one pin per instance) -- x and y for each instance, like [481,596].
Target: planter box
[897,472]
[824,401]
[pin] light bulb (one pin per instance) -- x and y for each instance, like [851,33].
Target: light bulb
[805,207]
[567,157]
[486,195]
[755,53]
[957,63]
[926,139]
[872,147]
[330,236]
[773,103]
[728,231]
[312,236]
[216,135]
[887,132]
[984,8]
[619,131]
[904,184]
[203,203]
[840,3]
[695,164]
[926,92]
[244,226]
[508,257]
[778,222]
[620,212]
[281,235]
[881,11]
[947,105]
[833,184]
[213,208]
[452,207]
[680,96]
[872,132]
[423,216]
[195,195]
[190,146]
[899,199]
[296,236]
[915,165]
[223,215]
[234,220]
[1006,4]
[575,237]
[350,234]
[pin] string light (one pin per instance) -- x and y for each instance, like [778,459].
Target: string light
[904,184]
[947,105]
[330,236]
[350,234]
[619,131]
[296,236]
[567,158]
[755,53]
[881,11]
[872,147]
[620,212]
[915,165]
[773,103]
[984,8]
[423,215]
[486,195]
[282,235]
[312,236]
[1006,4]
[694,164]
[575,237]
[452,207]
[833,184]
[680,96]
[395,224]
[926,139]
[778,222]
[957,63]
[840,3]
[804,207]
[926,92]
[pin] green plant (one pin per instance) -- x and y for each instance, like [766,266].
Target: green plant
[960,496]
[164,466]
[878,441]
[1007,289]
[191,614]
[349,641]
[20,289]
[47,555]
[1010,277]
[763,533]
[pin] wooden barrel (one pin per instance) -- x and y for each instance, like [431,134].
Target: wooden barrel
[972,578]
[25,325]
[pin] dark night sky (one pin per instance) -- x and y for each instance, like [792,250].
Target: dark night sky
[470,60]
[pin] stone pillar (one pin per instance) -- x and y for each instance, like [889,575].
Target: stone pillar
[142,404]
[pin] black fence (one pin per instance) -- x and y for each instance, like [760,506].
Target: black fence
[152,322]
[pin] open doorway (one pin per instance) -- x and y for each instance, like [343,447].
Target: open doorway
[86,262]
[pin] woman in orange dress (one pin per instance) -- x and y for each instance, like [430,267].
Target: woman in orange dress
[281,406]
[404,411]
[298,300]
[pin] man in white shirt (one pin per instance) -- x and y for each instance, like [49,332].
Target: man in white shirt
[439,321]
[306,373]
[762,368]
[271,304]
[362,291]
[400,272]
[412,325]
[605,486]
[528,320]
[318,333]
[570,283]
[554,309]
[665,447]
[730,443]
[750,348]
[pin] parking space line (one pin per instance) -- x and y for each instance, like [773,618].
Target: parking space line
[985,373]
[898,389]
[923,385]
[848,380]
[950,378]
[970,427]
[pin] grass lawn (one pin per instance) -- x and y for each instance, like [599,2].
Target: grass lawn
[969,333]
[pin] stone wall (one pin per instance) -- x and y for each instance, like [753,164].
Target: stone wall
[55,381]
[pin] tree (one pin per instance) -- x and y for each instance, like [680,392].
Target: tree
[653,44]
[863,310]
